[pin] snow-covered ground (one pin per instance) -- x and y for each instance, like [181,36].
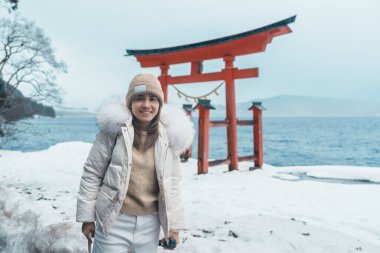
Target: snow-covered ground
[276,209]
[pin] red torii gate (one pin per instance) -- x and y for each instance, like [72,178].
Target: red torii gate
[227,48]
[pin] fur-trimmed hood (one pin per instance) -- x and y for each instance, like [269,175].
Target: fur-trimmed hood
[114,113]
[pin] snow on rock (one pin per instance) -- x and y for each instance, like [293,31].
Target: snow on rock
[38,198]
[272,210]
[21,230]
[350,173]
[354,173]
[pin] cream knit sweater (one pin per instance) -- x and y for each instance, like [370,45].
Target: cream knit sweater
[143,189]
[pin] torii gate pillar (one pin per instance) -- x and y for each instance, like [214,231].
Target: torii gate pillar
[231,112]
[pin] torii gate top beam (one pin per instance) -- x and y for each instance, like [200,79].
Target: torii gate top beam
[249,42]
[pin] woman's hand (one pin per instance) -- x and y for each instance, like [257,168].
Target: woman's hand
[88,229]
[173,235]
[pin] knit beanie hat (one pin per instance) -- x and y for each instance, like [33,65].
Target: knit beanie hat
[144,83]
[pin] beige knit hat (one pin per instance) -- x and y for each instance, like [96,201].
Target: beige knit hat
[144,83]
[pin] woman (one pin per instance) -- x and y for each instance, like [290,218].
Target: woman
[131,180]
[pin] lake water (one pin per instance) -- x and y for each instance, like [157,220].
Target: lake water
[287,141]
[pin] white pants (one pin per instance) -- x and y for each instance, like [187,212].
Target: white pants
[129,234]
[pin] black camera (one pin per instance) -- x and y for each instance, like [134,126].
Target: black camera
[171,244]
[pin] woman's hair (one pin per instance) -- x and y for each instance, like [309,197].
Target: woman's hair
[151,130]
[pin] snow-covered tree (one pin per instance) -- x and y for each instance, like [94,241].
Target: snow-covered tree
[11,5]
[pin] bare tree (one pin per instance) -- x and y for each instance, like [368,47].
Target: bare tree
[27,60]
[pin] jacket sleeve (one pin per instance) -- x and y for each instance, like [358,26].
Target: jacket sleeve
[93,173]
[177,214]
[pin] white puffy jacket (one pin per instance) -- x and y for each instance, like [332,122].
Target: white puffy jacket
[106,174]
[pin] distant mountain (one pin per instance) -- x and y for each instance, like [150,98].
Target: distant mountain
[302,106]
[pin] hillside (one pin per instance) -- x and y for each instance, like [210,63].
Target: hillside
[22,107]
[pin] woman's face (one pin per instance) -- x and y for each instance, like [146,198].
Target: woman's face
[145,107]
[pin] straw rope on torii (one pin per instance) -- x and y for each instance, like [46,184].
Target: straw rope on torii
[187,97]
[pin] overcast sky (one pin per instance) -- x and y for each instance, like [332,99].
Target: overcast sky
[333,51]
